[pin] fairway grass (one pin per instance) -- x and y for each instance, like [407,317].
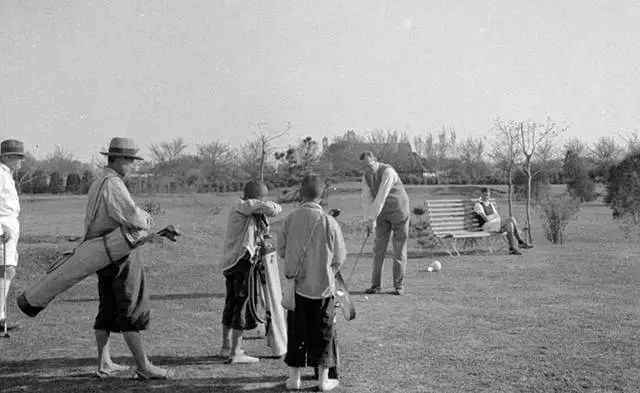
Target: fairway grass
[556,319]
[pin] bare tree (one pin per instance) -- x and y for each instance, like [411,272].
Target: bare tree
[265,139]
[167,151]
[605,151]
[506,151]
[632,139]
[534,139]
[217,158]
[577,146]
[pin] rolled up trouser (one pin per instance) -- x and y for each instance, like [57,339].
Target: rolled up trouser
[74,266]
[277,334]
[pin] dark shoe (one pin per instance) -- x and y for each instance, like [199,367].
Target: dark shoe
[515,251]
[398,292]
[372,290]
[525,245]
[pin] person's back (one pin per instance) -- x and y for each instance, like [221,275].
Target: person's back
[312,246]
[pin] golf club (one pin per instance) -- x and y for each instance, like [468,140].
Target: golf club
[353,269]
[4,275]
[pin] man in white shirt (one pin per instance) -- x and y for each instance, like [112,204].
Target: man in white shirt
[386,209]
[492,222]
[11,156]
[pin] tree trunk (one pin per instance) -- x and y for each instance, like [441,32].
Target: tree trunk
[262,163]
[528,209]
[510,190]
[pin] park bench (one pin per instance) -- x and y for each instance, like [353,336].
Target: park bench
[451,221]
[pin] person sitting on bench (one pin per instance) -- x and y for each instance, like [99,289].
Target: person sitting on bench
[490,221]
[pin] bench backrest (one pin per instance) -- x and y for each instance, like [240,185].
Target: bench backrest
[451,215]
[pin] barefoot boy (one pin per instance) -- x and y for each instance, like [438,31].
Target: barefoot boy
[244,229]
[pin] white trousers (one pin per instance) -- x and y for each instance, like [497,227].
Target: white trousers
[12,245]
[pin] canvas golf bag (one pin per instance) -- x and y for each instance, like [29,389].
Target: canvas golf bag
[265,298]
[75,265]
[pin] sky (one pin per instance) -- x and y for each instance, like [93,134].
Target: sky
[76,73]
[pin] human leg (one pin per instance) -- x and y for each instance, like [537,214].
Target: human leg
[383,231]
[320,315]
[400,238]
[240,318]
[296,355]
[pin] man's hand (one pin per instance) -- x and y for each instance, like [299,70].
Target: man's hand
[370,226]
[7,234]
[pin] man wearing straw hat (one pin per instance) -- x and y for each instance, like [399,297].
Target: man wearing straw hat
[124,302]
[11,156]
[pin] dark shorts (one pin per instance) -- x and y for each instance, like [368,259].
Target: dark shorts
[236,314]
[124,303]
[310,331]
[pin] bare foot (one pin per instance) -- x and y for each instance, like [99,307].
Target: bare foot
[111,367]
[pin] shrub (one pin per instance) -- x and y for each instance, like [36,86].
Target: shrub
[623,188]
[556,212]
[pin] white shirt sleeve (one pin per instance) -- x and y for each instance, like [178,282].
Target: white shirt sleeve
[366,198]
[389,178]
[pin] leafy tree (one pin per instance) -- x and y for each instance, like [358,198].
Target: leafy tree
[579,185]
[74,183]
[56,183]
[623,189]
[87,179]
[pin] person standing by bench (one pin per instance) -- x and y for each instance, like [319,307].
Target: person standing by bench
[386,208]
[491,221]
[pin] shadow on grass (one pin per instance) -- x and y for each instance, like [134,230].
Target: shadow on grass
[170,296]
[27,375]
[89,383]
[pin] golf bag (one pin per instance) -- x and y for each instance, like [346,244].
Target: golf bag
[86,259]
[265,298]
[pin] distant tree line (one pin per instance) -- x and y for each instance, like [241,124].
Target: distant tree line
[515,153]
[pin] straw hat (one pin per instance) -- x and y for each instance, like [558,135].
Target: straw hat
[11,147]
[122,147]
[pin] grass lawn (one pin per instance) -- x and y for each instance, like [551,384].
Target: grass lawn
[557,319]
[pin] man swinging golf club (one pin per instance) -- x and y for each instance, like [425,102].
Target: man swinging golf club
[386,209]
[11,156]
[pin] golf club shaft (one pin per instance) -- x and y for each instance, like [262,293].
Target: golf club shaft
[364,243]
[4,282]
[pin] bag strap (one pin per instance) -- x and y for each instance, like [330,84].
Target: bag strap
[304,249]
[94,212]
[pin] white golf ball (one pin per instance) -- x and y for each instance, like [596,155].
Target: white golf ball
[436,266]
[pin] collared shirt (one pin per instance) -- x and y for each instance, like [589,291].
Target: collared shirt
[373,206]
[325,252]
[110,206]
[243,229]
[9,202]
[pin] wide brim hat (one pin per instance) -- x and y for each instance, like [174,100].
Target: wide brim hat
[11,147]
[122,147]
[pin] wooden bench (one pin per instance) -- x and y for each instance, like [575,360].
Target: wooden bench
[451,220]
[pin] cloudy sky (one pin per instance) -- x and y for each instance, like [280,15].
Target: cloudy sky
[76,73]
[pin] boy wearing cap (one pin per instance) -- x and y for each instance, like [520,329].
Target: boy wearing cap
[246,224]
[11,156]
[123,300]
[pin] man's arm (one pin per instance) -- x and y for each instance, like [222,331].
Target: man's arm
[339,248]
[122,208]
[281,248]
[479,210]
[257,206]
[365,199]
[389,178]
